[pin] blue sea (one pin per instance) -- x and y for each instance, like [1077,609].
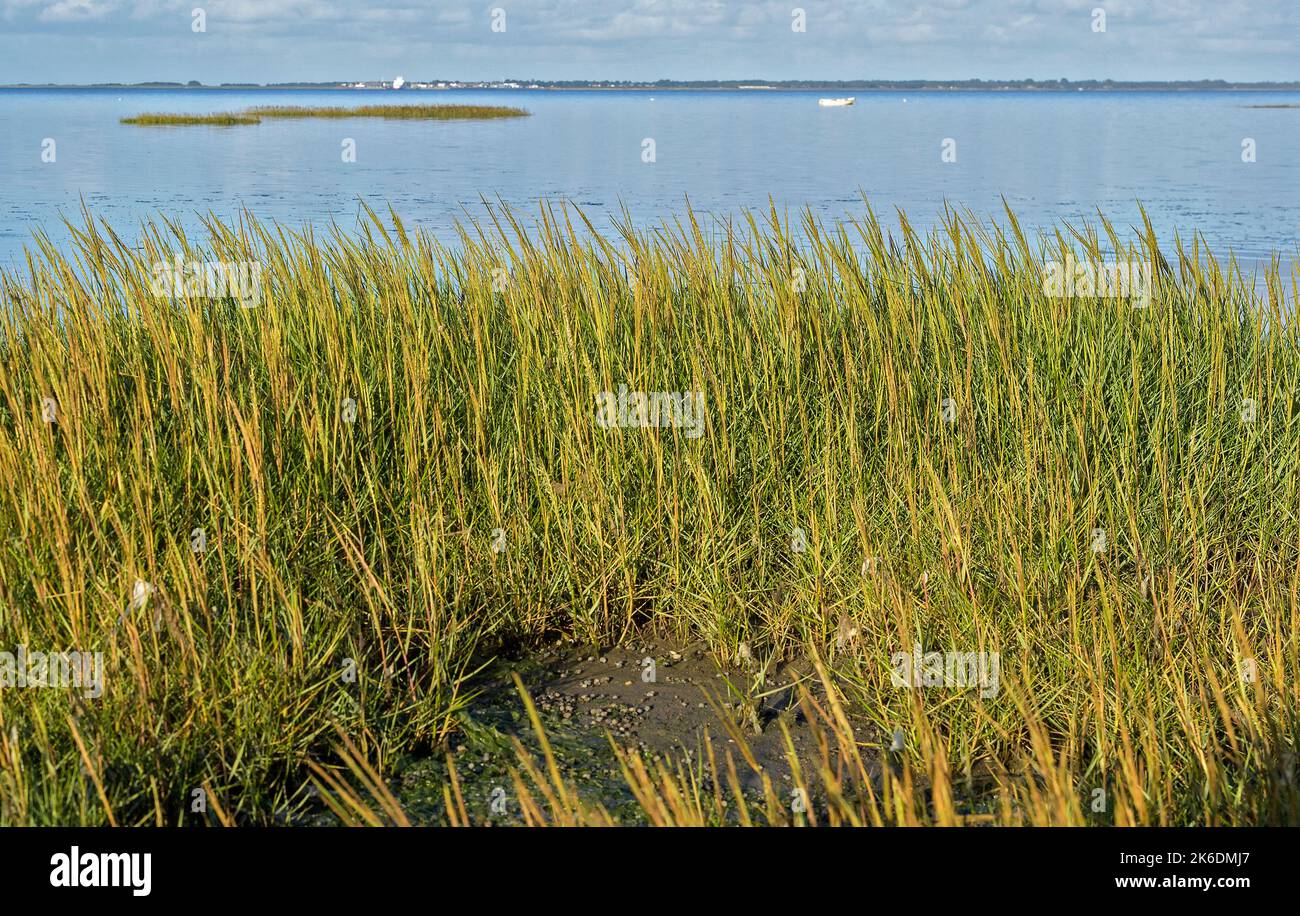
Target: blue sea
[1055,157]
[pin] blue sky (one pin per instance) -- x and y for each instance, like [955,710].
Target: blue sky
[282,40]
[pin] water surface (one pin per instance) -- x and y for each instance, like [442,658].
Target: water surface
[1054,156]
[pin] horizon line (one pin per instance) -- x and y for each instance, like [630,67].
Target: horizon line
[664,83]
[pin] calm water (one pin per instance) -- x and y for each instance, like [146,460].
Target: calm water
[1054,156]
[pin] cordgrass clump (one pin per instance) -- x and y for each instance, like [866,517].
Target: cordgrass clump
[396,112]
[296,530]
[218,119]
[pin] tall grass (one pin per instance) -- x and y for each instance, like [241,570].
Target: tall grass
[351,445]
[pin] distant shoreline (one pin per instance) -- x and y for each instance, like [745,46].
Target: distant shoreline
[863,86]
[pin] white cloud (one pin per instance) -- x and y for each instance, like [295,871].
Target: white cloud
[77,10]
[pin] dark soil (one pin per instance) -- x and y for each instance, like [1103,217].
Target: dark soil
[653,696]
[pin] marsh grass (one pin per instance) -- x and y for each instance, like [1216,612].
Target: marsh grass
[363,542]
[397,112]
[217,119]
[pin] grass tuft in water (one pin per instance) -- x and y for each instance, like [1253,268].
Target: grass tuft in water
[395,112]
[218,119]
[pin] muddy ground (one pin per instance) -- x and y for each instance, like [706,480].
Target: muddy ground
[652,695]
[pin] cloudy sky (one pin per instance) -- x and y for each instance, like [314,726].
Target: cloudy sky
[319,40]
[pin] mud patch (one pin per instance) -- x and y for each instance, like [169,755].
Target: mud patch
[656,697]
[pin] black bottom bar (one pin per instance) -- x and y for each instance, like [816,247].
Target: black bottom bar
[332,866]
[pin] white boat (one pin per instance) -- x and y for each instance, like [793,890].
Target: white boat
[836,103]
